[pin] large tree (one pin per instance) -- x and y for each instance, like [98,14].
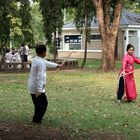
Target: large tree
[109,13]
[84,14]
[15,21]
[9,23]
[25,17]
[53,21]
[4,22]
[108,29]
[37,24]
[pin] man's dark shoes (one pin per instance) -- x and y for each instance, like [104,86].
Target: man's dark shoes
[37,121]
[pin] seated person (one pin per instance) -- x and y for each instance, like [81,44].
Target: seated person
[8,56]
[17,56]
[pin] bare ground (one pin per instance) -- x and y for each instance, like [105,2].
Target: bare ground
[39,132]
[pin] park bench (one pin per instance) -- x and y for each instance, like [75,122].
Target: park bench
[16,66]
[69,64]
[19,66]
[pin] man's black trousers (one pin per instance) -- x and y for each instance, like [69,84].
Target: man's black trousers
[40,103]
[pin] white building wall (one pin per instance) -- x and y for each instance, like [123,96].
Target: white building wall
[126,39]
[139,43]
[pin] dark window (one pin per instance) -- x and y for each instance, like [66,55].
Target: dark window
[95,37]
[72,38]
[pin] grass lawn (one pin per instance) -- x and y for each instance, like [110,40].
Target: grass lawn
[82,104]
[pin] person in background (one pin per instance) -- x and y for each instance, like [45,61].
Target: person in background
[37,82]
[24,50]
[8,56]
[26,53]
[17,56]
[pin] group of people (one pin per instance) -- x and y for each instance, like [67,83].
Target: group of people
[37,79]
[14,55]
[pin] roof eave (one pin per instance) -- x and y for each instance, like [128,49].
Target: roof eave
[130,26]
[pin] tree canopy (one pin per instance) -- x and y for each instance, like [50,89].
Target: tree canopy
[15,21]
[53,21]
[16,17]
[25,17]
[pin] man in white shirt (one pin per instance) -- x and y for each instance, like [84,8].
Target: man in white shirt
[37,82]
[24,50]
[26,53]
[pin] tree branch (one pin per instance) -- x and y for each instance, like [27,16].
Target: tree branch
[95,2]
[107,15]
[100,15]
[117,15]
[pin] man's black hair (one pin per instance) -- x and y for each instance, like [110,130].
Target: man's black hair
[40,49]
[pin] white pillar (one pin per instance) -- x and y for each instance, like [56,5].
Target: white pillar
[10,45]
[138,43]
[64,18]
[126,39]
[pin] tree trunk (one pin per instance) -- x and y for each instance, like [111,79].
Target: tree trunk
[116,50]
[108,32]
[23,57]
[54,48]
[108,62]
[4,49]
[85,53]
[86,34]
[2,60]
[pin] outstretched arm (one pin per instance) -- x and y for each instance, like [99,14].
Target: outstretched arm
[50,64]
[136,60]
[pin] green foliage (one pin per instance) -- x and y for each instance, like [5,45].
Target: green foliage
[15,21]
[25,17]
[69,14]
[37,24]
[133,5]
[78,10]
[20,24]
[15,27]
[84,16]
[85,12]
[4,22]
[70,3]
[52,17]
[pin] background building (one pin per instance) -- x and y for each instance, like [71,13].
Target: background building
[129,32]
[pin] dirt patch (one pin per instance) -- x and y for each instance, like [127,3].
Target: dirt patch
[40,132]
[29,132]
